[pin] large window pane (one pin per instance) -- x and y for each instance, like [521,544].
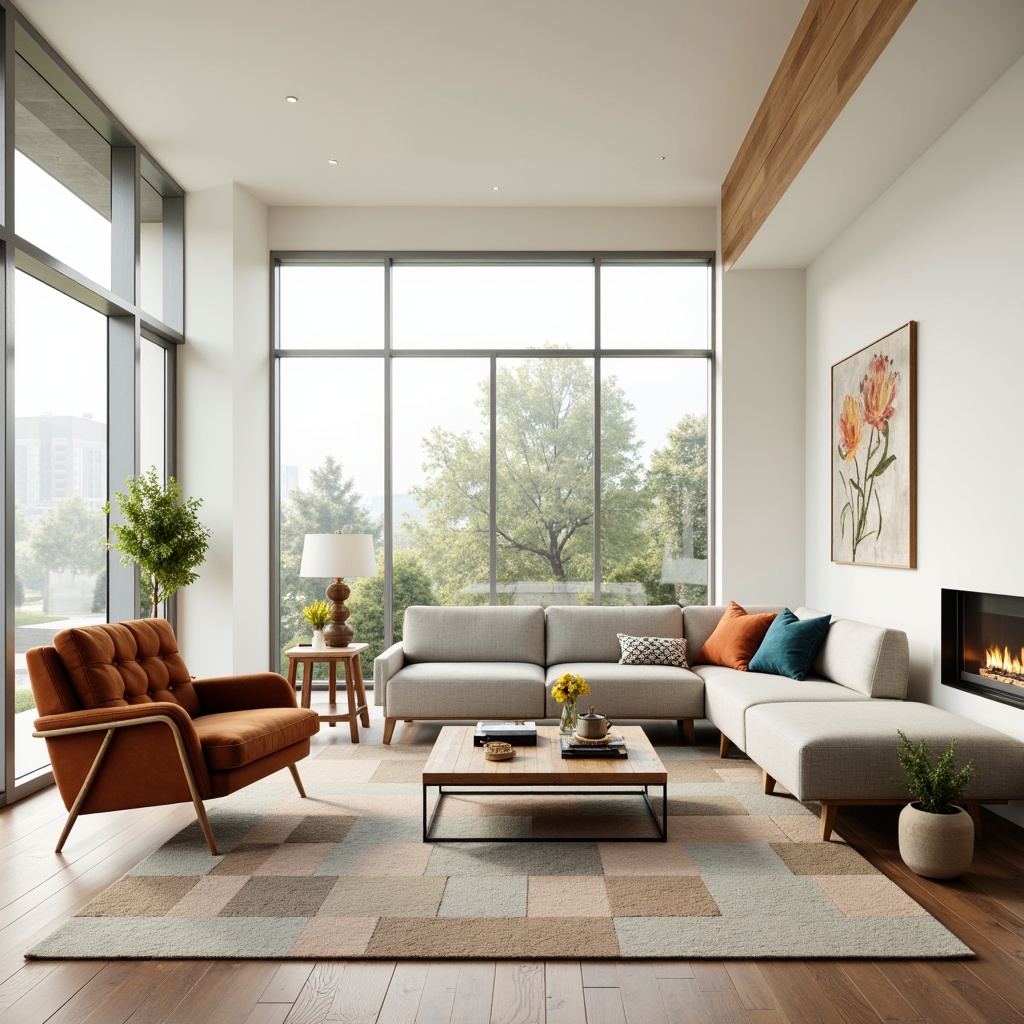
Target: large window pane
[659,306]
[151,249]
[60,481]
[62,177]
[654,481]
[332,478]
[492,307]
[441,479]
[332,307]
[545,481]
[153,408]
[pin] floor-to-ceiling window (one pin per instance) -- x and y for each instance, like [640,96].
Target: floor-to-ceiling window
[508,429]
[91,235]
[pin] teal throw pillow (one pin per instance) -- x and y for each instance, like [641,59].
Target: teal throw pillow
[790,645]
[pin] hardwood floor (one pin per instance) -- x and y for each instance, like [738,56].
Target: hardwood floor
[39,889]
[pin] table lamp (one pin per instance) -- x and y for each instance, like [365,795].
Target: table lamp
[338,554]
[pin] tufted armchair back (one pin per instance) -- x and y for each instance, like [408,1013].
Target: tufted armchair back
[117,664]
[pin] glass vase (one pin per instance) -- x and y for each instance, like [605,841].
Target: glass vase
[570,714]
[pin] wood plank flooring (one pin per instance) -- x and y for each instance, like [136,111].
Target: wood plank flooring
[39,890]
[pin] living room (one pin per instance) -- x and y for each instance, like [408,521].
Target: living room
[908,210]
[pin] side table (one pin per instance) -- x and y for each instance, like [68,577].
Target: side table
[354,692]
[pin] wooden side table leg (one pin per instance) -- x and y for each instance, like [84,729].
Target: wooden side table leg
[307,682]
[361,693]
[332,687]
[292,666]
[350,694]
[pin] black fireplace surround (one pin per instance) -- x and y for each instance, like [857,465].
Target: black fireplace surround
[983,644]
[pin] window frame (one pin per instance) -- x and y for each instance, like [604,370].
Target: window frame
[388,353]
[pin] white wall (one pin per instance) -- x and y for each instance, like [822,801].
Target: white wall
[508,228]
[224,429]
[760,485]
[943,246]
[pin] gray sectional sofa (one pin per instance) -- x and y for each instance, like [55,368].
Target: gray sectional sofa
[830,737]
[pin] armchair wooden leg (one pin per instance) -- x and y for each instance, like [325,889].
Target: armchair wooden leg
[389,728]
[84,791]
[298,781]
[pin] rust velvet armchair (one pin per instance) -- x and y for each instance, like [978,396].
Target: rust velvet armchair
[126,725]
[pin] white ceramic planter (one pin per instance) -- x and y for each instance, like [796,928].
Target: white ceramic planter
[319,644]
[936,845]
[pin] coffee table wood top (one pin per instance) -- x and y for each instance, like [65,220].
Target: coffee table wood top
[454,761]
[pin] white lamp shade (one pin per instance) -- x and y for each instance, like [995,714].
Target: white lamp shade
[334,555]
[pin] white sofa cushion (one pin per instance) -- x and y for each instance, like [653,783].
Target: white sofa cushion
[485,633]
[632,691]
[729,694]
[870,659]
[592,634]
[469,690]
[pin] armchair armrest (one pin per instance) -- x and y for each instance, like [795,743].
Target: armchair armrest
[385,665]
[240,693]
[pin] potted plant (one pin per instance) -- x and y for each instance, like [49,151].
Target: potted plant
[318,614]
[936,836]
[161,534]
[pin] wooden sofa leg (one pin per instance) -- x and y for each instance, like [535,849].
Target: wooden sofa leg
[828,820]
[84,791]
[723,746]
[769,784]
[389,728]
[297,780]
[687,727]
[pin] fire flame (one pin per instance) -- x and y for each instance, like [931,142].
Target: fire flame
[1003,661]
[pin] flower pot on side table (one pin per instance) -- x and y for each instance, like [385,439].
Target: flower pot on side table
[936,845]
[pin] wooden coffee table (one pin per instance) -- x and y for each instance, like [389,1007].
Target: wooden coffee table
[455,765]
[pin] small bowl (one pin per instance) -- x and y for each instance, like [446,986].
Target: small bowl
[498,751]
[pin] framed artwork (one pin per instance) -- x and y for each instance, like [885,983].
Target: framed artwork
[874,453]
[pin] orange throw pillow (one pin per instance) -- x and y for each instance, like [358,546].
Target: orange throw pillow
[736,638]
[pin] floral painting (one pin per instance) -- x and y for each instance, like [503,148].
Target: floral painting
[874,493]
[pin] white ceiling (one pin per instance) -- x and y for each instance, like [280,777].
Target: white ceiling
[433,102]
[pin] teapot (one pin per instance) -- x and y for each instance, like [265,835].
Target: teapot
[593,726]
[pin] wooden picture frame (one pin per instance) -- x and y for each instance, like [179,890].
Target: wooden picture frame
[873,453]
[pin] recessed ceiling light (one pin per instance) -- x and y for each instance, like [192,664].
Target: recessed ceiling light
[663,158]
[495,188]
[333,162]
[291,99]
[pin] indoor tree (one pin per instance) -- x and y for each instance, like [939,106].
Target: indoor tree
[161,534]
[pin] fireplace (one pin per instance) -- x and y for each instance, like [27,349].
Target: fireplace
[983,644]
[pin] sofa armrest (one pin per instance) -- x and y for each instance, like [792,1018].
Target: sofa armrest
[240,693]
[100,718]
[385,665]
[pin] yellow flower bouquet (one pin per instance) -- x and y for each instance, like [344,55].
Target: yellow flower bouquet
[567,690]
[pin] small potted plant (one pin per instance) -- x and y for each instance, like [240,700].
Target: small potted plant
[936,836]
[567,690]
[318,614]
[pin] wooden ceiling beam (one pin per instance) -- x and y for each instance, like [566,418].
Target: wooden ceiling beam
[833,48]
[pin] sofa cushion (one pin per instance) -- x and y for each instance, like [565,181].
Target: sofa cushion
[736,638]
[728,694]
[652,650]
[235,738]
[473,634]
[790,645]
[467,690]
[633,691]
[592,634]
[870,659]
[119,663]
[828,752]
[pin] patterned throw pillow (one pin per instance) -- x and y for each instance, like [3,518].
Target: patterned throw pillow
[652,650]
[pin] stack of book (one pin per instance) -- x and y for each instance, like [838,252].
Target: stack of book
[519,734]
[574,748]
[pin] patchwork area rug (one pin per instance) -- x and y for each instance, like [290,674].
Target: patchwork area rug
[344,873]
